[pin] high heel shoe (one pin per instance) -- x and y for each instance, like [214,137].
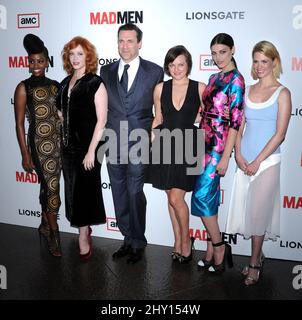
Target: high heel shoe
[54,243]
[88,254]
[245,269]
[227,259]
[44,230]
[251,280]
[175,255]
[182,259]
[204,263]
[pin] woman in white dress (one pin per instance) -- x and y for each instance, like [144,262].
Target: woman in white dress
[255,200]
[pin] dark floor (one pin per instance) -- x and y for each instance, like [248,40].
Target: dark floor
[32,273]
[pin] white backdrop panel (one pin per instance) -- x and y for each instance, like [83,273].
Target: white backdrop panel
[165,24]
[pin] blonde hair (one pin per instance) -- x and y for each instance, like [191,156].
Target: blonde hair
[89,49]
[270,51]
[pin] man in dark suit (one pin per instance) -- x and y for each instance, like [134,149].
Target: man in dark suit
[130,82]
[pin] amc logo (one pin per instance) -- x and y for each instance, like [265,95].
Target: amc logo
[206,63]
[112,224]
[28,20]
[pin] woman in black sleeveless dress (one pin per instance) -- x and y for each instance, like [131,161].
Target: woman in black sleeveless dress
[177,102]
[35,97]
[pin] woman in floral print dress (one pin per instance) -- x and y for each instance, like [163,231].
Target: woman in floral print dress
[220,119]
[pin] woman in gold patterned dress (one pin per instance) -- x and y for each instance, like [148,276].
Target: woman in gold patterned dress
[35,98]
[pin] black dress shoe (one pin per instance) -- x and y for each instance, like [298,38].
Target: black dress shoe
[183,259]
[123,251]
[135,256]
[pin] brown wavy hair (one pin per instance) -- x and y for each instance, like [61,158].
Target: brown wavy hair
[90,52]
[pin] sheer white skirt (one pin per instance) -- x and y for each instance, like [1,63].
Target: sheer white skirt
[255,201]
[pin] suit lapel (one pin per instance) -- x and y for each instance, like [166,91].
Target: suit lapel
[113,78]
[141,76]
[113,75]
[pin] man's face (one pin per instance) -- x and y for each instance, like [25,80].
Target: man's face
[128,47]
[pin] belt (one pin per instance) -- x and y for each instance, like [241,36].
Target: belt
[213,116]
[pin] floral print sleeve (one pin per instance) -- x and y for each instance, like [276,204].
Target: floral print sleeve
[236,96]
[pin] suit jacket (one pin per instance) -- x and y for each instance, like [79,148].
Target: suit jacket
[139,114]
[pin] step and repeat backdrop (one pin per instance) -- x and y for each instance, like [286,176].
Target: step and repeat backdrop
[164,24]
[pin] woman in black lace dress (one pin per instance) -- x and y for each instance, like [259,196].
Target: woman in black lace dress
[35,98]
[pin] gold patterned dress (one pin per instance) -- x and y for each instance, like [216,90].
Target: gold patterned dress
[44,139]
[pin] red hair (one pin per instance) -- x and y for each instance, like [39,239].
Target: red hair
[90,52]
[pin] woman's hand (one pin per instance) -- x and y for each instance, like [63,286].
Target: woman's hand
[252,168]
[60,114]
[241,162]
[88,161]
[222,166]
[152,136]
[27,163]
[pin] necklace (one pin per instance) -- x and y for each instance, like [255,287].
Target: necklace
[66,114]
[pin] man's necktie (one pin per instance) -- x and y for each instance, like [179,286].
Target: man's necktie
[124,78]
